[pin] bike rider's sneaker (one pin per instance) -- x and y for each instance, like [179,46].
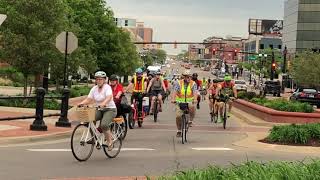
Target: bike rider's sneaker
[228,114]
[179,134]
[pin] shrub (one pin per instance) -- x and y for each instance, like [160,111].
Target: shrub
[284,105]
[30,103]
[295,134]
[78,91]
[247,95]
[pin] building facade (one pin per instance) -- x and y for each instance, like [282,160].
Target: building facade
[256,43]
[301,25]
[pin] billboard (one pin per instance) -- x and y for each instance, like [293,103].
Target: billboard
[265,27]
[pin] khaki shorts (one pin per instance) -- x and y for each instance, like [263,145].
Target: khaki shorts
[179,112]
[106,116]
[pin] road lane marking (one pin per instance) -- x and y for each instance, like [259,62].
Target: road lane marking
[68,150]
[212,149]
[49,150]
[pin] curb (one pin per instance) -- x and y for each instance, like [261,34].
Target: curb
[241,116]
[37,138]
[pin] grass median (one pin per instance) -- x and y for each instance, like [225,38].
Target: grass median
[254,171]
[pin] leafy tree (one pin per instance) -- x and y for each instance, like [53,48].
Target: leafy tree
[183,55]
[29,32]
[306,69]
[110,46]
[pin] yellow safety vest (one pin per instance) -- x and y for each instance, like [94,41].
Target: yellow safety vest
[185,95]
[138,87]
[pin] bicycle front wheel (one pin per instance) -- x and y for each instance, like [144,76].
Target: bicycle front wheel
[155,111]
[225,117]
[183,128]
[116,132]
[82,142]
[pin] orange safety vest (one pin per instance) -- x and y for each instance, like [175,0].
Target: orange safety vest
[138,87]
[185,95]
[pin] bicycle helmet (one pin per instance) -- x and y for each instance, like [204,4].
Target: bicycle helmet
[101,74]
[195,75]
[215,81]
[186,73]
[113,77]
[227,77]
[139,71]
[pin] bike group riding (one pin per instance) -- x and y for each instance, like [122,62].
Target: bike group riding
[104,125]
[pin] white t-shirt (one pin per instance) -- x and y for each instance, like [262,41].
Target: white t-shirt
[99,97]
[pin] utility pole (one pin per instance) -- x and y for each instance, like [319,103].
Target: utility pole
[272,67]
[284,69]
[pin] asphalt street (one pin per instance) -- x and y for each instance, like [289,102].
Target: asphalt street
[150,150]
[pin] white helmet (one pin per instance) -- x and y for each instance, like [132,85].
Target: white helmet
[186,73]
[101,74]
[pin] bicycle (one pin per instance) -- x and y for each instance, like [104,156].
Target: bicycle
[134,115]
[213,115]
[92,136]
[184,107]
[225,101]
[156,107]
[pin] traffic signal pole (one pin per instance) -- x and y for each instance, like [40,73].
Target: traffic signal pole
[272,67]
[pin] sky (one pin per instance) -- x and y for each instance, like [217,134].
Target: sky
[195,20]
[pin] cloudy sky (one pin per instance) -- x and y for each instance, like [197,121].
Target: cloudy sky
[195,20]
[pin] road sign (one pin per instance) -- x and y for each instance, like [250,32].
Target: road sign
[252,58]
[66,42]
[3,17]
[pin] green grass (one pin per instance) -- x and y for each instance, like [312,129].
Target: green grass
[295,134]
[254,171]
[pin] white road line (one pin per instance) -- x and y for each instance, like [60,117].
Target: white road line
[68,150]
[212,149]
[49,150]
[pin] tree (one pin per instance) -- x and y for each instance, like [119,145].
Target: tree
[183,55]
[29,33]
[110,46]
[306,69]
[160,55]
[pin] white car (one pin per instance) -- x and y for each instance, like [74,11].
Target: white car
[240,85]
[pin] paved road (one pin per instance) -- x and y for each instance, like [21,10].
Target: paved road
[151,150]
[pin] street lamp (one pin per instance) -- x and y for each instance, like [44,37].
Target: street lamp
[261,65]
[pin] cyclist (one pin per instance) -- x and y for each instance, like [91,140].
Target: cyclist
[117,91]
[157,88]
[199,86]
[167,85]
[101,94]
[227,87]
[138,84]
[212,93]
[185,91]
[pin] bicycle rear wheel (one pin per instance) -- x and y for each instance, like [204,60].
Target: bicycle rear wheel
[131,120]
[116,131]
[82,142]
[186,128]
[155,111]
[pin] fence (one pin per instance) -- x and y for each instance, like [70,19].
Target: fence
[39,124]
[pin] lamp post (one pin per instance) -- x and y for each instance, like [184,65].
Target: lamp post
[284,68]
[264,56]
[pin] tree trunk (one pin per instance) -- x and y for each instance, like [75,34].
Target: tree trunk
[57,86]
[25,86]
[125,79]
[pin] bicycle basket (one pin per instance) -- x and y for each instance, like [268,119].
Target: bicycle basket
[86,114]
[184,106]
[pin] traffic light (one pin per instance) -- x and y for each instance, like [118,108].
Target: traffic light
[214,51]
[273,66]
[236,54]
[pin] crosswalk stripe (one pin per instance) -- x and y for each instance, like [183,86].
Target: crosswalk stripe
[212,149]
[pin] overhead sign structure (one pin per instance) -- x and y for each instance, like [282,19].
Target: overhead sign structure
[3,17]
[66,42]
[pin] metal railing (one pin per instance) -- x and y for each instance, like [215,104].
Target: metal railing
[39,124]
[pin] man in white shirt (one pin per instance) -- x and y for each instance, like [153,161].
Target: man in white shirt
[102,95]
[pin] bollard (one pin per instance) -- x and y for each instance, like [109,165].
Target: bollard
[38,124]
[63,120]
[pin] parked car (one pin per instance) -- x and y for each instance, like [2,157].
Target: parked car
[241,85]
[272,87]
[308,95]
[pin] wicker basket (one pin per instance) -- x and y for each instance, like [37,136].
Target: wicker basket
[86,114]
[118,120]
